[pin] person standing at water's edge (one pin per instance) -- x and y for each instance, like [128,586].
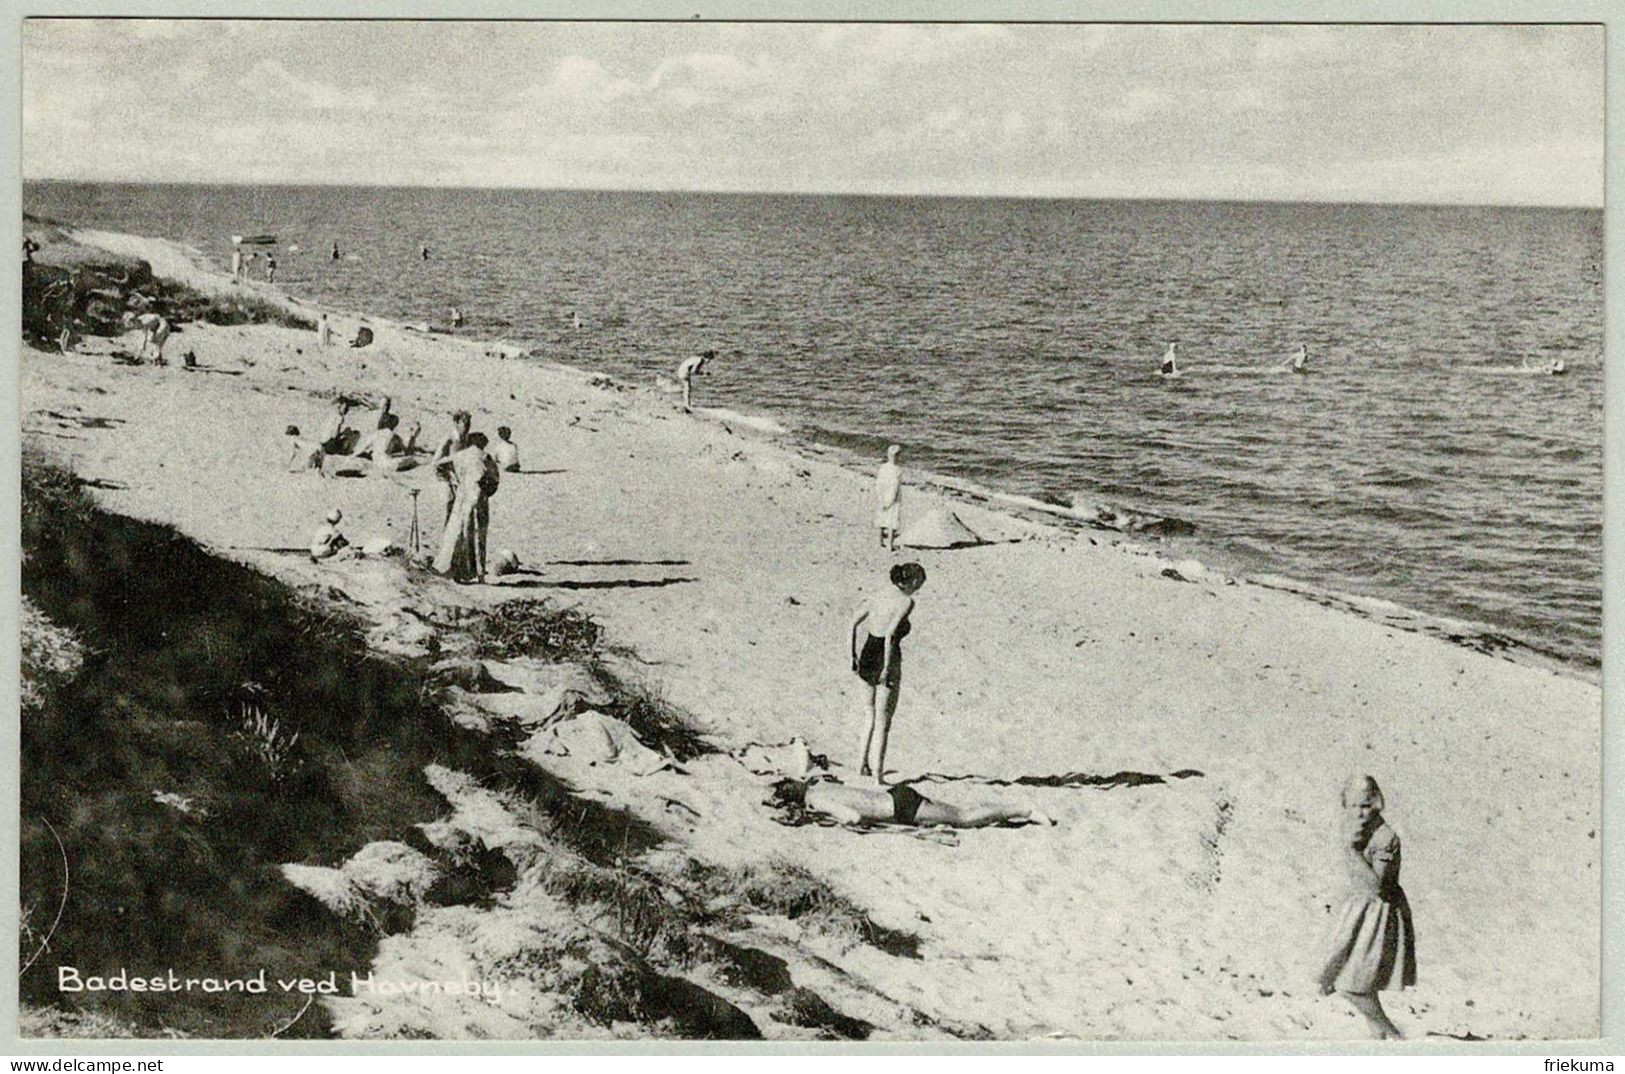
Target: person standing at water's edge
[688,370]
[889,498]
[879,661]
[236,264]
[1170,361]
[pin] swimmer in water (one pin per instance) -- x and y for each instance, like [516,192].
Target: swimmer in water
[1558,367]
[1300,361]
[1170,361]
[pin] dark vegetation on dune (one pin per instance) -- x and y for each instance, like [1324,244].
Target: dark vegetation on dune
[72,288]
[197,677]
[153,668]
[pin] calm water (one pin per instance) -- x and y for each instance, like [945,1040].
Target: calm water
[1012,343]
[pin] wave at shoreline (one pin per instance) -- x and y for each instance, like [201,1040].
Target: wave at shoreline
[1143,531]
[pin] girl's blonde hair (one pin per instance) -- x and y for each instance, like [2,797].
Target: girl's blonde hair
[1359,787]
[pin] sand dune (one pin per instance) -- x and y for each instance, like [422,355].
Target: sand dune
[1189,737]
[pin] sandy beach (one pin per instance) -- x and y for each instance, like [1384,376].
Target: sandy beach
[1188,733]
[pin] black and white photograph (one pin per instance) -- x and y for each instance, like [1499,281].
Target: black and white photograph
[901,532]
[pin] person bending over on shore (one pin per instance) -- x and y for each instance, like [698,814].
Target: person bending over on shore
[506,454]
[155,330]
[879,661]
[306,455]
[1371,945]
[897,804]
[688,370]
[889,498]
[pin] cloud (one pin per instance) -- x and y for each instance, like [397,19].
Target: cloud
[583,79]
[708,78]
[274,83]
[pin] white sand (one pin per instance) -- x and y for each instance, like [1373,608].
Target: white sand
[1187,909]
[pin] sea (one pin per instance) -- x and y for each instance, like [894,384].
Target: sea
[1013,344]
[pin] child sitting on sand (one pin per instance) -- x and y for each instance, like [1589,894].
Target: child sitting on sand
[505,453]
[1372,945]
[327,541]
[897,804]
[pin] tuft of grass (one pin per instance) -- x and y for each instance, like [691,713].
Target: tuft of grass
[634,908]
[50,656]
[786,889]
[267,739]
[181,303]
[33,1021]
[654,719]
[537,629]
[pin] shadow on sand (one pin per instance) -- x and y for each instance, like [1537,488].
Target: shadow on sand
[1067,779]
[616,583]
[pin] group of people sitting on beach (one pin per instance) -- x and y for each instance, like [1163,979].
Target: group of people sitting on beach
[465,461]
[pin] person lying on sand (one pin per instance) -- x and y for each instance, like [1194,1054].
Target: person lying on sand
[879,663]
[899,804]
[1372,944]
[306,454]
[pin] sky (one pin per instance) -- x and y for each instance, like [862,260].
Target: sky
[1462,114]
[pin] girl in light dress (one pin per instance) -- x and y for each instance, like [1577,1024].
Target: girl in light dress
[1372,944]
